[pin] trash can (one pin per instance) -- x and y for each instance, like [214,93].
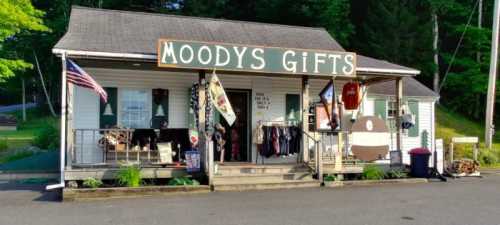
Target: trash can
[419,162]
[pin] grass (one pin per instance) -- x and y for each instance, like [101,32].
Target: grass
[25,133]
[450,124]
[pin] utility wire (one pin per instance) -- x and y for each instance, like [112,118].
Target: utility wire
[458,46]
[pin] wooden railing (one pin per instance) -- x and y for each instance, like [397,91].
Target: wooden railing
[107,147]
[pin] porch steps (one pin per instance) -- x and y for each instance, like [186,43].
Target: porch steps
[261,177]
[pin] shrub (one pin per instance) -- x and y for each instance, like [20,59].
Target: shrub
[372,172]
[47,138]
[129,176]
[330,178]
[487,157]
[183,181]
[3,145]
[91,182]
[396,174]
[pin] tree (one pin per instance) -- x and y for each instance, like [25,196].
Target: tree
[17,15]
[397,31]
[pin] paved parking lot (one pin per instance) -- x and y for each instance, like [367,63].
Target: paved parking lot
[468,201]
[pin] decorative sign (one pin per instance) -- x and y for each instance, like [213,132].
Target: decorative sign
[323,118]
[262,101]
[246,58]
[370,139]
[465,140]
[193,161]
[439,156]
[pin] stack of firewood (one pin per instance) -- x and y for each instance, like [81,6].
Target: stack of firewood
[466,166]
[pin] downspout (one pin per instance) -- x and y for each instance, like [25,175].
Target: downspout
[62,157]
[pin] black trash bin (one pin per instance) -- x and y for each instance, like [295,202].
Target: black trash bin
[419,162]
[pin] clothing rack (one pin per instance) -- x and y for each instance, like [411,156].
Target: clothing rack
[280,123]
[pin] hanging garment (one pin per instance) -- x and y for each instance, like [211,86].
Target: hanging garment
[209,126]
[295,138]
[265,142]
[235,144]
[283,141]
[276,141]
[351,95]
[193,103]
[258,135]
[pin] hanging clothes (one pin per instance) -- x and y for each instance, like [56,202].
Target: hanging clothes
[193,103]
[280,141]
[351,95]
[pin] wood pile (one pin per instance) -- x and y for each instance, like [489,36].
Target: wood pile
[466,166]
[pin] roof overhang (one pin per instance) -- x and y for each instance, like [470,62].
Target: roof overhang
[362,71]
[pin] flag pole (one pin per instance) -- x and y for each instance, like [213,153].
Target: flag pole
[62,157]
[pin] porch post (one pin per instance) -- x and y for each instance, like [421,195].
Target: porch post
[202,142]
[399,98]
[69,126]
[305,117]
[63,118]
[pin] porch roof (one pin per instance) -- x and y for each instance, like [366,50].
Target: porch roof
[99,33]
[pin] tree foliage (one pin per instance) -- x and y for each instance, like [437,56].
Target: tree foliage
[17,15]
[399,31]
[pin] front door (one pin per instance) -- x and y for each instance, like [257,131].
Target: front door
[237,147]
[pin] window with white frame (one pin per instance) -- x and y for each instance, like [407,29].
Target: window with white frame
[392,109]
[135,108]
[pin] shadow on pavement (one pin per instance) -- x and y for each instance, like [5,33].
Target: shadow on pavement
[38,189]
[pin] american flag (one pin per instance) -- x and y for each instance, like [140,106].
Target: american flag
[77,76]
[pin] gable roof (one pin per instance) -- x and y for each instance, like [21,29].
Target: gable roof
[136,32]
[411,88]
[134,35]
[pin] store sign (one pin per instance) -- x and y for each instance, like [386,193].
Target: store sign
[244,58]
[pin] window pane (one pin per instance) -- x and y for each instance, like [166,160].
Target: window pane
[135,110]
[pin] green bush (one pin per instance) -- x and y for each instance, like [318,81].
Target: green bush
[183,181]
[47,138]
[330,178]
[372,172]
[91,182]
[488,157]
[396,174]
[129,176]
[3,145]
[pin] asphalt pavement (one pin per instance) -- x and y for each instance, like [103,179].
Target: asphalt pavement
[465,201]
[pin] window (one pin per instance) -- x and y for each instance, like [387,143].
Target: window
[135,108]
[392,109]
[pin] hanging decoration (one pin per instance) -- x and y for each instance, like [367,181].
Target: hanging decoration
[219,99]
[370,138]
[327,96]
[351,95]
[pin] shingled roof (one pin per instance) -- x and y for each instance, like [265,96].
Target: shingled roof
[411,88]
[126,32]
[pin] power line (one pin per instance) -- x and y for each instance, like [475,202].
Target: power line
[458,47]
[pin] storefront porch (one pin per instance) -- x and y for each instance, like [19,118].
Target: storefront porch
[152,84]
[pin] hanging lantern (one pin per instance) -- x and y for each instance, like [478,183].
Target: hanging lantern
[159,111]
[107,110]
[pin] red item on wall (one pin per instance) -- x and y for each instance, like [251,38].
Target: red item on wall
[351,95]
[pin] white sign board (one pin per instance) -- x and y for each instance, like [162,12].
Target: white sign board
[439,155]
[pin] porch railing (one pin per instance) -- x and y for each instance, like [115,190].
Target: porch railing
[107,146]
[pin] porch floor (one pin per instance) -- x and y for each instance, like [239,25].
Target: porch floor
[108,172]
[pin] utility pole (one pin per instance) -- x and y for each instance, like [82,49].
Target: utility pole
[490,101]
[479,25]
[435,32]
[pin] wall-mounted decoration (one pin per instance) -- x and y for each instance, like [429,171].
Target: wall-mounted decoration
[370,138]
